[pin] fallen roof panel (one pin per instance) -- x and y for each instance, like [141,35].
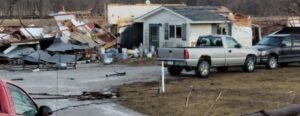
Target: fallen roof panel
[62,47]
[18,52]
[35,32]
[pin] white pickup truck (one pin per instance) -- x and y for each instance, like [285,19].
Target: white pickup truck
[219,51]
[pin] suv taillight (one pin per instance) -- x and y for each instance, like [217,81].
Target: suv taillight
[186,54]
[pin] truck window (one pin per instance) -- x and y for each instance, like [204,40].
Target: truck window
[22,103]
[297,42]
[209,42]
[231,43]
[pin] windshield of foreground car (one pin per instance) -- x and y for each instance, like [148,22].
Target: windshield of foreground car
[271,41]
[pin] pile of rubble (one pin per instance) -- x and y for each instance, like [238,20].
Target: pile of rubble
[74,38]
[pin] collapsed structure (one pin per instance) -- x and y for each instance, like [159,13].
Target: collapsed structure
[63,45]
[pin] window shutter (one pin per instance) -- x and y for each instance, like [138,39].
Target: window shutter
[184,29]
[166,31]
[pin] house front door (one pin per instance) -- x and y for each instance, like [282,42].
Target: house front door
[154,35]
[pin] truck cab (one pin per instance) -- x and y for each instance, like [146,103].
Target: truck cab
[14,101]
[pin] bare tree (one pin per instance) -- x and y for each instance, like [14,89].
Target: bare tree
[41,8]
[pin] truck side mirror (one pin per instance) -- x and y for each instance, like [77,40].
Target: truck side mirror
[44,111]
[238,46]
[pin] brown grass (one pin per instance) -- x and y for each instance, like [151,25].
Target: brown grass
[242,93]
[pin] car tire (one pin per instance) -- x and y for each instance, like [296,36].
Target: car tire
[272,62]
[174,70]
[222,69]
[203,69]
[249,65]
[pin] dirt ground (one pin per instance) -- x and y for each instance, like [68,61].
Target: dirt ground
[241,93]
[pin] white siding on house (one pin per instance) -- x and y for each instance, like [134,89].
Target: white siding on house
[163,17]
[242,34]
[199,30]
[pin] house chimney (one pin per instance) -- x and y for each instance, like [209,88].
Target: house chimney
[148,2]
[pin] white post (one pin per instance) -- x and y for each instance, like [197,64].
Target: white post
[162,88]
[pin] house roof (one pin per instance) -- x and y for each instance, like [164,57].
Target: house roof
[199,13]
[193,14]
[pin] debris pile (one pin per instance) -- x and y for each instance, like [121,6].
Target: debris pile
[74,38]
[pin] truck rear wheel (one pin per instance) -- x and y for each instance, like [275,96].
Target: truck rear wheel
[174,70]
[203,69]
[272,62]
[249,65]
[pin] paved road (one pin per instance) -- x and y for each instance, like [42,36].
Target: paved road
[88,77]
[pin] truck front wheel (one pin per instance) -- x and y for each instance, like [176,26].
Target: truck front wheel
[203,69]
[272,62]
[249,65]
[174,70]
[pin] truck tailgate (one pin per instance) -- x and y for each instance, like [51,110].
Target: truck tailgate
[171,53]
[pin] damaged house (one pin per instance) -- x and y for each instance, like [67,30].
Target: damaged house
[180,26]
[123,16]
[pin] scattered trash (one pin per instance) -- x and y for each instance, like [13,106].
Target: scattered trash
[36,70]
[149,55]
[124,54]
[116,74]
[97,95]
[134,53]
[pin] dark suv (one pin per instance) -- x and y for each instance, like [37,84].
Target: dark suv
[279,50]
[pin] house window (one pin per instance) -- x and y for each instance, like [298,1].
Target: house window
[178,31]
[175,31]
[172,31]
